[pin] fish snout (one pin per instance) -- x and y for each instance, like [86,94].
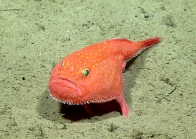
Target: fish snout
[64,90]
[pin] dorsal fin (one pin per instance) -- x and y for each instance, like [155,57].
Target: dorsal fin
[122,39]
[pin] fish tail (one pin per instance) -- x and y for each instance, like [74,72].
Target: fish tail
[135,48]
[151,41]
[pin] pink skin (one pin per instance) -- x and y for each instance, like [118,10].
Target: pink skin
[104,62]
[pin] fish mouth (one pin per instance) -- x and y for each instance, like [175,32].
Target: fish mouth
[64,90]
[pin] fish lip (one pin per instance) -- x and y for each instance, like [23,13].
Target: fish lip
[71,81]
[58,84]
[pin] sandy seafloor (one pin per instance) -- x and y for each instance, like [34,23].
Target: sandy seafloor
[160,85]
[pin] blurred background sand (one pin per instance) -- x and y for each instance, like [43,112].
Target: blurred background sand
[160,85]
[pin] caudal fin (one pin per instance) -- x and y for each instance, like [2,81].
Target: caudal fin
[151,41]
[134,48]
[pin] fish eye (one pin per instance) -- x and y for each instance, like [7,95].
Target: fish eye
[85,72]
[62,63]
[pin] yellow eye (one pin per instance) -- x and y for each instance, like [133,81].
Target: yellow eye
[85,72]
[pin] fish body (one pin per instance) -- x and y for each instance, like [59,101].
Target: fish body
[94,73]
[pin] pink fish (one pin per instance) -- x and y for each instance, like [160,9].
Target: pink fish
[94,73]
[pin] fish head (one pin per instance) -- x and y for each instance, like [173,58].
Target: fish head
[80,80]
